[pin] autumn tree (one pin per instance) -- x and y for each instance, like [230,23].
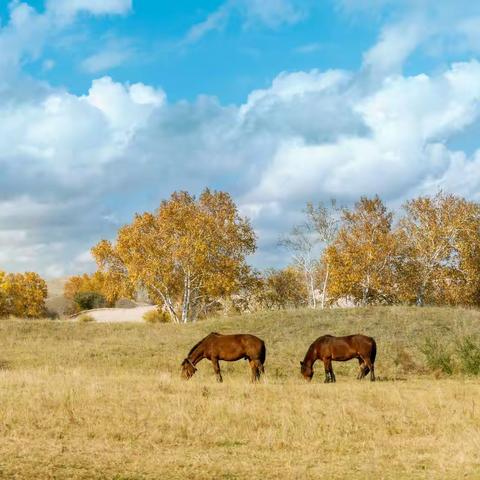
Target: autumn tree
[282,289]
[3,295]
[306,242]
[22,295]
[324,218]
[105,285]
[441,240]
[363,257]
[186,255]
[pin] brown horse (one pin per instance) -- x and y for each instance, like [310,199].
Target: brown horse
[230,348]
[340,349]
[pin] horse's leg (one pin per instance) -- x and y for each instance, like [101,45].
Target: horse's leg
[372,372]
[360,364]
[254,365]
[369,368]
[332,375]
[216,368]
[327,363]
[261,367]
[363,368]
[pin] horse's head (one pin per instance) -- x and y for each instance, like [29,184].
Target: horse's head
[306,371]
[188,369]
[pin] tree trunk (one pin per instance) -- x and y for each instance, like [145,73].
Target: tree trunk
[325,281]
[312,290]
[186,299]
[421,295]
[366,291]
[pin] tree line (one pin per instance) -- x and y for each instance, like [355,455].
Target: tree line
[190,257]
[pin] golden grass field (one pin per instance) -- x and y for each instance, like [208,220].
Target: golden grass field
[105,401]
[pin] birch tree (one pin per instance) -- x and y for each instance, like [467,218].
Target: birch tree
[325,221]
[186,255]
[307,241]
[441,238]
[363,256]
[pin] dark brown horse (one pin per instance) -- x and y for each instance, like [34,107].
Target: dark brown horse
[216,347]
[340,349]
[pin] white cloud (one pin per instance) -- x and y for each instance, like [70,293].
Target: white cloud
[408,119]
[273,13]
[69,8]
[214,21]
[27,31]
[309,48]
[106,60]
[395,45]
[75,167]
[269,13]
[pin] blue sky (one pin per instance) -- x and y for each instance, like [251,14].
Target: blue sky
[107,106]
[227,62]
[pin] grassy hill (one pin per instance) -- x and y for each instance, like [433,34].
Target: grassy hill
[106,401]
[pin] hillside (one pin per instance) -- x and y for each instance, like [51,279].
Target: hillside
[106,401]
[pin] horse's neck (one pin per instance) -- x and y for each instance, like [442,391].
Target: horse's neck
[196,355]
[311,356]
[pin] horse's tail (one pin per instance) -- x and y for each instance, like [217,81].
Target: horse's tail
[263,355]
[373,353]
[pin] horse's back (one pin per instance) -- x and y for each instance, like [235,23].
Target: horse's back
[235,346]
[346,347]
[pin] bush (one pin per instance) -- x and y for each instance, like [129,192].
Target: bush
[156,316]
[85,318]
[438,356]
[90,300]
[468,352]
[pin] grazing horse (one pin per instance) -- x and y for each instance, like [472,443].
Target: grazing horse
[340,349]
[230,348]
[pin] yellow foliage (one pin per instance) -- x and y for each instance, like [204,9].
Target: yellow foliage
[187,254]
[362,258]
[440,237]
[283,289]
[109,284]
[22,295]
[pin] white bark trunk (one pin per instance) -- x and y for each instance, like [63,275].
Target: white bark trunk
[325,281]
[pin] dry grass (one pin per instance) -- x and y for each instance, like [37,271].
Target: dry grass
[106,402]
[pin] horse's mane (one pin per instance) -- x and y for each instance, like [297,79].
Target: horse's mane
[198,343]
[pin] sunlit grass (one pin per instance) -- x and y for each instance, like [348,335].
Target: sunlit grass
[106,401]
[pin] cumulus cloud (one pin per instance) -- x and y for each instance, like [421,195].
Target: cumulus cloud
[76,167]
[309,136]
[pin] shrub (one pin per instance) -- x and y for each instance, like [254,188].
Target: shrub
[438,356]
[405,362]
[156,316]
[90,300]
[85,318]
[468,352]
